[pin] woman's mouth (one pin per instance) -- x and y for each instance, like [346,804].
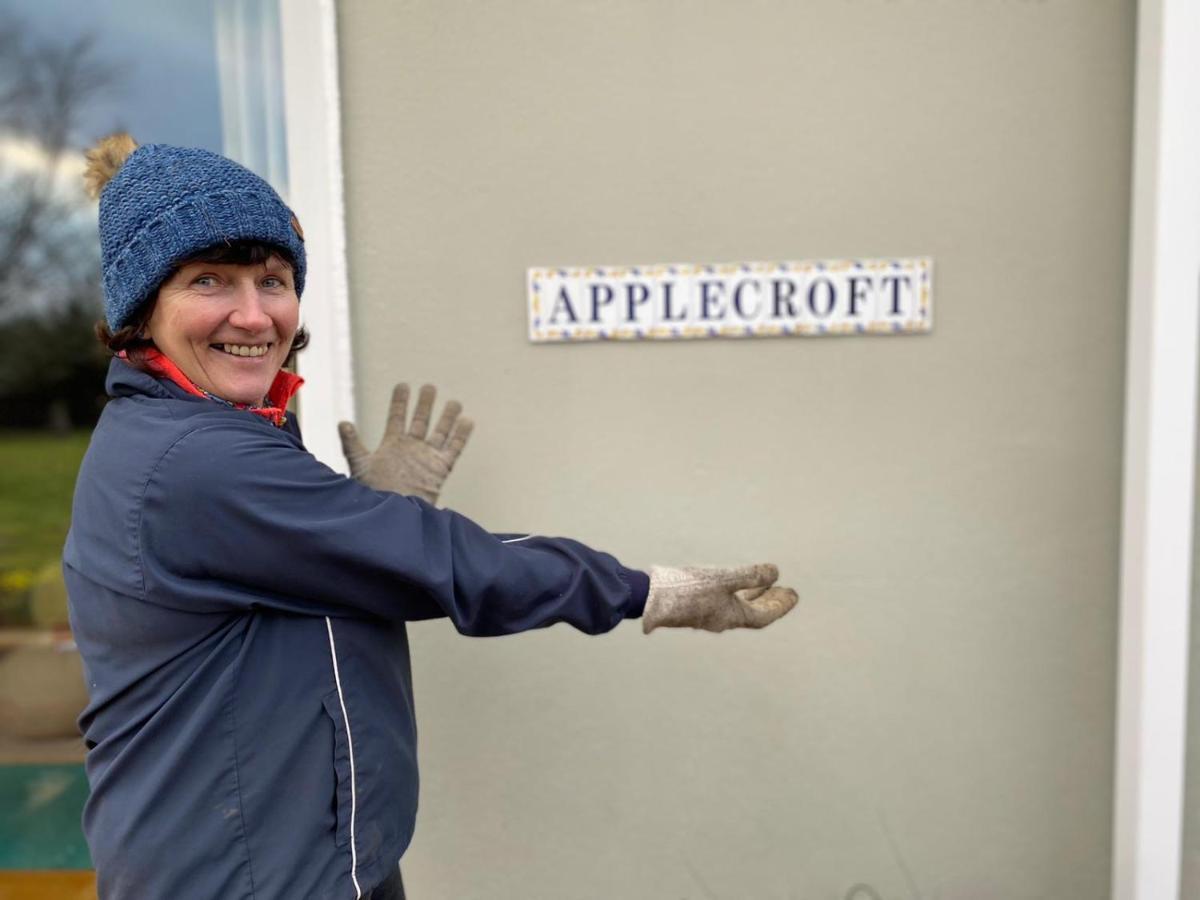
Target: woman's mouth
[246,350]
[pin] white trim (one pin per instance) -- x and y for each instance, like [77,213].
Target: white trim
[517,540]
[337,680]
[310,82]
[1159,455]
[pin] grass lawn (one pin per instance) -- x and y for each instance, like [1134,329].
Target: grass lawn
[37,478]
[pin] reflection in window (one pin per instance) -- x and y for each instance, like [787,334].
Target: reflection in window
[202,74]
[249,68]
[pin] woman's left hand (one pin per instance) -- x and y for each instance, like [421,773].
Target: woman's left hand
[715,599]
[406,461]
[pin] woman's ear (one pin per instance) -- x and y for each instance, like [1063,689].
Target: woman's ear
[143,332]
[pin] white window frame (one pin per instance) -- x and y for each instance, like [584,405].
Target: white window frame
[314,156]
[1160,399]
[1160,427]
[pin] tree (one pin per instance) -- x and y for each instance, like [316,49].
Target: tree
[50,292]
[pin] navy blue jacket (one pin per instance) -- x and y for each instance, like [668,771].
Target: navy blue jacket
[240,610]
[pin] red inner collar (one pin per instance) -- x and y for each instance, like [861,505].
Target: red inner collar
[282,389]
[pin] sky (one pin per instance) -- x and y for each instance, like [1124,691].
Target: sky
[165,53]
[166,88]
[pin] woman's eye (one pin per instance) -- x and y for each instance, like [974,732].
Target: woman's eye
[272,281]
[206,281]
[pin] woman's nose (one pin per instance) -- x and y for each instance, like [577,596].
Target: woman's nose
[249,313]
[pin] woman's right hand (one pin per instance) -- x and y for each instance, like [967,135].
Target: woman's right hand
[406,461]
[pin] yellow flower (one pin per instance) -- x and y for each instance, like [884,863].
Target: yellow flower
[16,580]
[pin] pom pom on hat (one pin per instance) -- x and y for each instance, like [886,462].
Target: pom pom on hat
[104,160]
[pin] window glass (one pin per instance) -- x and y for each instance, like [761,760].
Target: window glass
[205,73]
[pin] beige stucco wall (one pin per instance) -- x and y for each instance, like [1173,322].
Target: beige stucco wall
[936,719]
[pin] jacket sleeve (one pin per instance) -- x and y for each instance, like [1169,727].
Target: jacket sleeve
[239,517]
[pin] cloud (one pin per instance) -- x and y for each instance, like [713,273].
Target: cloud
[21,155]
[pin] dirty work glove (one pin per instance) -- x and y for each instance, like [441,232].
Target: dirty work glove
[715,599]
[406,462]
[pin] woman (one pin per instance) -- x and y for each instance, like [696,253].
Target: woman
[240,607]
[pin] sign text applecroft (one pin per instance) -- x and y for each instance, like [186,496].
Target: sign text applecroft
[753,299]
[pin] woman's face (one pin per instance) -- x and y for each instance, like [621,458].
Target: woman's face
[228,327]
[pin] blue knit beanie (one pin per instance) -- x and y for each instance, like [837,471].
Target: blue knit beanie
[160,205]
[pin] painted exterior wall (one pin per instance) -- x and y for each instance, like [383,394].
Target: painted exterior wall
[937,717]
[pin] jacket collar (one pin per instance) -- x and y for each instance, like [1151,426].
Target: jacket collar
[166,380]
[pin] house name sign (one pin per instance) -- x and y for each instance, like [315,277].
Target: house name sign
[752,299]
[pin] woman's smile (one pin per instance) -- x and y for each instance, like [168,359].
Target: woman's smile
[247,351]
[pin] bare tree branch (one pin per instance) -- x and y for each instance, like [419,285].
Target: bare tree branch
[44,86]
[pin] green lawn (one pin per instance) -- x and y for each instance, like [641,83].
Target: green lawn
[37,478]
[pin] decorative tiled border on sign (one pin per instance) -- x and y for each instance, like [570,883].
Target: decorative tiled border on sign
[687,301]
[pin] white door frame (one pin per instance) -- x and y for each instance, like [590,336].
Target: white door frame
[1160,392]
[314,149]
[1160,427]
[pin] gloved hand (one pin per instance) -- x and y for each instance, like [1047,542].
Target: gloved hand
[405,461]
[715,599]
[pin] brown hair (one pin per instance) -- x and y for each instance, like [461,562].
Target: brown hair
[129,339]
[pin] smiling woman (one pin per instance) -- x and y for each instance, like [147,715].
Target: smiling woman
[240,608]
